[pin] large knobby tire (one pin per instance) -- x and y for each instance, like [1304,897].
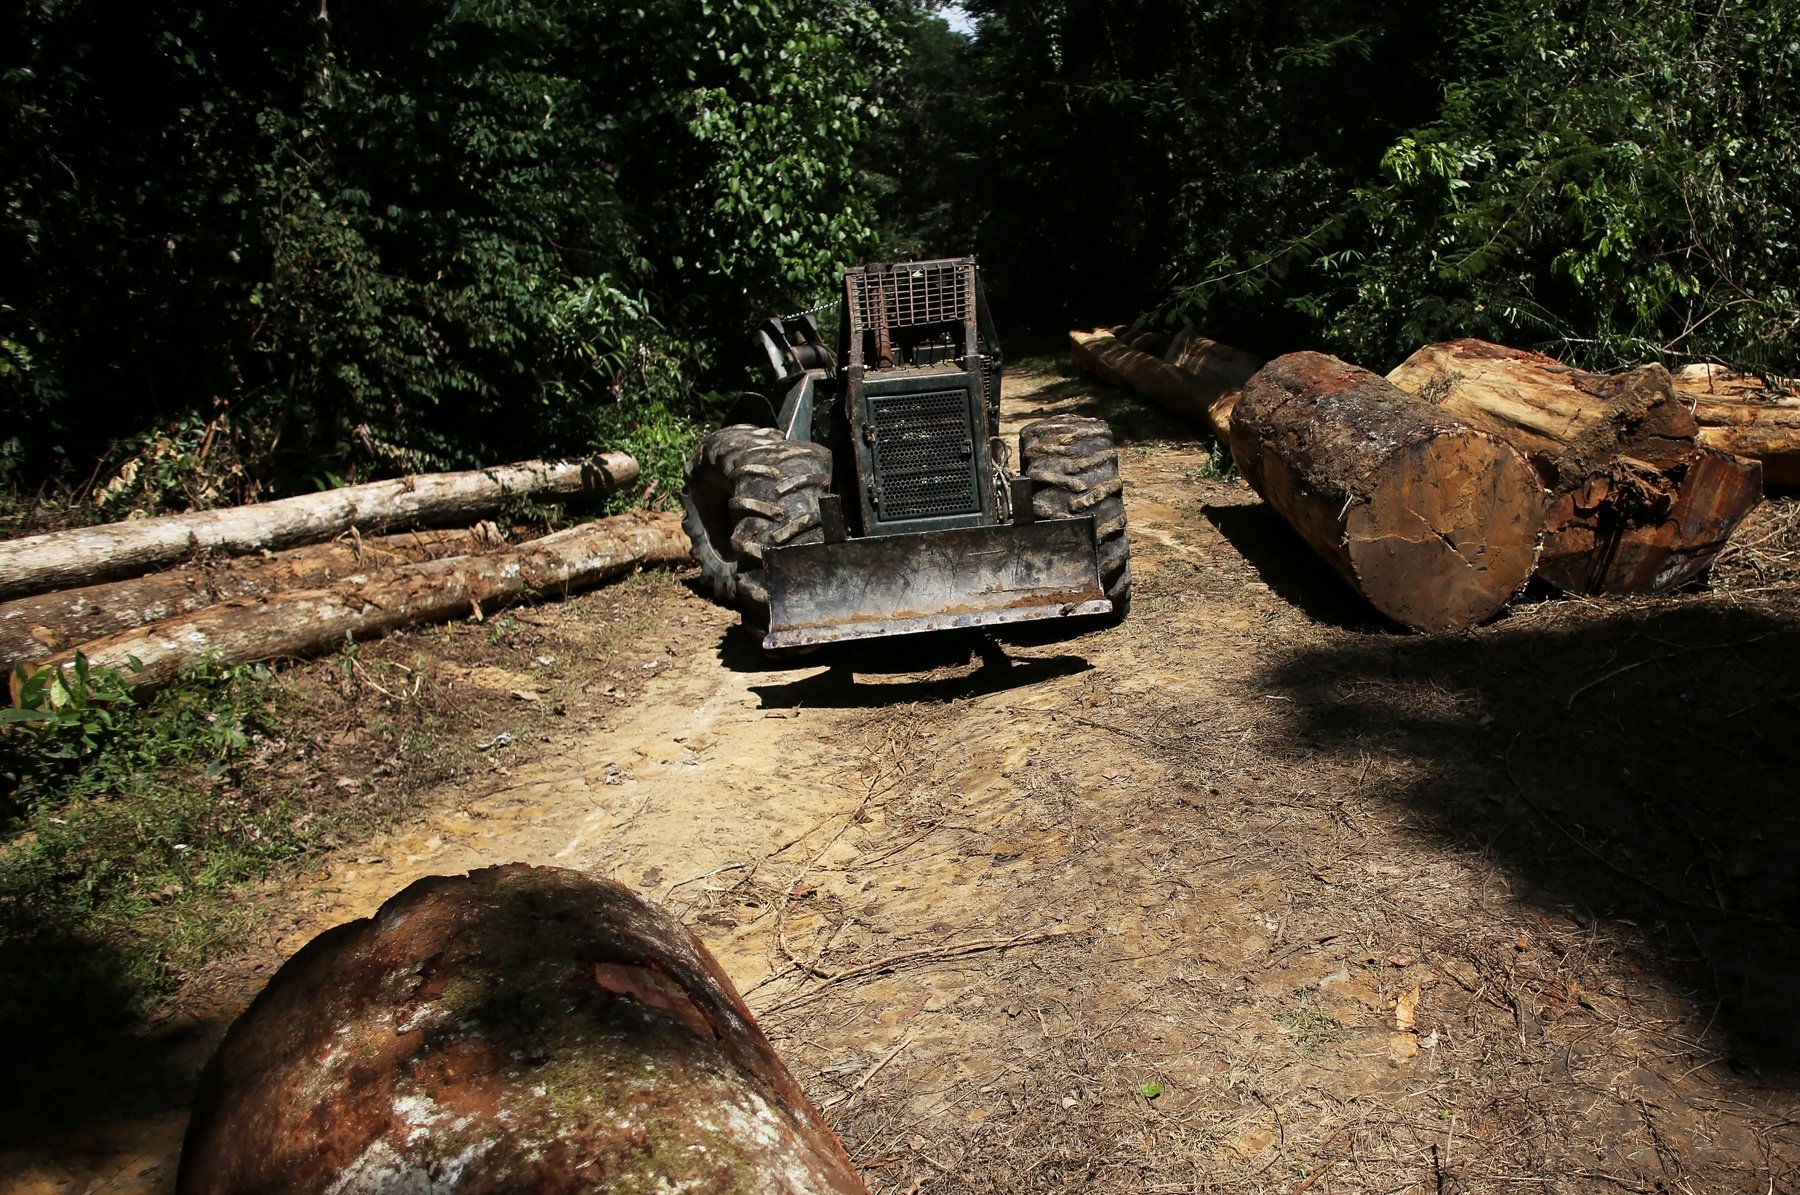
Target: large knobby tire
[706,514]
[777,504]
[1074,471]
[749,490]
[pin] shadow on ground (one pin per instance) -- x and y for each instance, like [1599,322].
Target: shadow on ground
[74,1054]
[1642,769]
[883,672]
[1290,567]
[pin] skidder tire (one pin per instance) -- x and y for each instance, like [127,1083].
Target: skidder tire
[713,472]
[776,505]
[1074,471]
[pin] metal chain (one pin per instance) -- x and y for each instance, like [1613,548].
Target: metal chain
[831,302]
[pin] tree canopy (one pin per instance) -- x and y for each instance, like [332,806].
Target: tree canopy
[314,242]
[410,233]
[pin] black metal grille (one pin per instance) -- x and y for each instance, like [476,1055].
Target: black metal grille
[907,296]
[924,454]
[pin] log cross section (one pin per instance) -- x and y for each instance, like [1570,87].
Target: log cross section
[1434,522]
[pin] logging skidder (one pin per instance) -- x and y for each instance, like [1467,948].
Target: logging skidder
[883,503]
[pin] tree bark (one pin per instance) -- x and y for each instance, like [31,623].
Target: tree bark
[1636,504]
[1200,379]
[1434,522]
[85,555]
[364,606]
[37,627]
[527,1029]
[1747,415]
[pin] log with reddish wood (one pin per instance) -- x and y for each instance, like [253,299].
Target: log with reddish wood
[1636,505]
[514,1029]
[1748,415]
[36,628]
[1434,522]
[1198,379]
[38,563]
[306,621]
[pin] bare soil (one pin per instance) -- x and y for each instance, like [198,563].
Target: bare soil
[1251,893]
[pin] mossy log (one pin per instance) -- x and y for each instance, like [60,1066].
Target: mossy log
[86,555]
[515,1029]
[1637,505]
[36,628]
[1196,379]
[1434,522]
[364,606]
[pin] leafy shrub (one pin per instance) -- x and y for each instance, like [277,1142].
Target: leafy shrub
[408,235]
[113,808]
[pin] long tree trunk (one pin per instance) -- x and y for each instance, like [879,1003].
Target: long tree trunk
[37,627]
[1776,444]
[1637,505]
[305,621]
[86,555]
[1747,415]
[1435,522]
[1200,379]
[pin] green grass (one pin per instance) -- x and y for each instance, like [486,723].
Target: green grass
[1218,467]
[124,824]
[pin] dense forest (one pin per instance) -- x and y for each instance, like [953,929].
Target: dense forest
[255,250]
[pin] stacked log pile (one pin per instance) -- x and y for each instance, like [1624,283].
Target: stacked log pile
[309,599]
[1643,476]
[364,606]
[1433,521]
[1636,503]
[37,627]
[1748,416]
[37,563]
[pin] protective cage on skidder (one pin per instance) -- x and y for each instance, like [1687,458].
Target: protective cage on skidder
[883,501]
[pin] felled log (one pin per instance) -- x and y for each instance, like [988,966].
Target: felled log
[1636,504]
[37,627]
[515,1029]
[1198,380]
[306,621]
[1747,415]
[1433,521]
[1094,351]
[86,555]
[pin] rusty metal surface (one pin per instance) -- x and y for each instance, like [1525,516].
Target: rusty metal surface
[932,581]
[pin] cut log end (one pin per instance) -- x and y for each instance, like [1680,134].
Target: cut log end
[1434,522]
[1640,500]
[1634,530]
[1449,532]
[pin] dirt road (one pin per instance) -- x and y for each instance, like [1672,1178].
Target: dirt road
[1248,894]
